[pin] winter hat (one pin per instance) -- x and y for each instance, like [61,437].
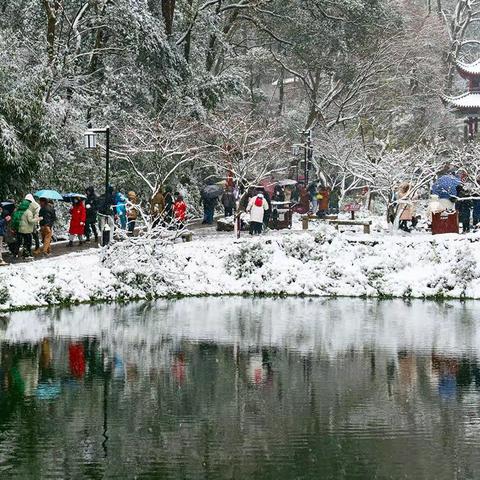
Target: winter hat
[29,197]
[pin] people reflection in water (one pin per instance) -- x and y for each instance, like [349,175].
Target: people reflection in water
[452,375]
[179,368]
[445,371]
[260,371]
[46,370]
[76,359]
[407,370]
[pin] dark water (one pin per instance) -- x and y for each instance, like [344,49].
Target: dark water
[242,388]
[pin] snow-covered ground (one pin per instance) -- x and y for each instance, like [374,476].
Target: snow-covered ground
[319,263]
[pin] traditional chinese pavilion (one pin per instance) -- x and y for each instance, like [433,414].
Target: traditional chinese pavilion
[468,104]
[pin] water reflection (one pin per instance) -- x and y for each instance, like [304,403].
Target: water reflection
[241,388]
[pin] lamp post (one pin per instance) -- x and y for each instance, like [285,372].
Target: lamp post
[308,153]
[307,147]
[90,137]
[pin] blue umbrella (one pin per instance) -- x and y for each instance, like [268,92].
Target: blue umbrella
[446,186]
[48,194]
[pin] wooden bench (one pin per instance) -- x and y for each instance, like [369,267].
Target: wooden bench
[306,219]
[366,224]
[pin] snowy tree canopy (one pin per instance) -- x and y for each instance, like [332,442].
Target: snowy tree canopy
[170,72]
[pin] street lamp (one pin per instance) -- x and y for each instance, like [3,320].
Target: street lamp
[307,148]
[90,137]
[308,153]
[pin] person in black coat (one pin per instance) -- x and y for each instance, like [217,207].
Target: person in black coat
[104,207]
[228,201]
[464,208]
[266,215]
[48,217]
[169,202]
[279,194]
[91,205]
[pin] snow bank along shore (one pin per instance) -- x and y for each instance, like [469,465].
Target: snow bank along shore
[321,263]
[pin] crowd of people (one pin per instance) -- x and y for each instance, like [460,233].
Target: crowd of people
[451,192]
[31,224]
[264,202]
[27,227]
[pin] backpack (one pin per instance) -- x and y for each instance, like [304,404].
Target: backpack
[258,202]
[18,214]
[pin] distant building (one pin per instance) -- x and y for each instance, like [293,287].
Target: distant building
[468,104]
[284,93]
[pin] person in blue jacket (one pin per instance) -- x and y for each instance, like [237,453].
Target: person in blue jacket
[121,209]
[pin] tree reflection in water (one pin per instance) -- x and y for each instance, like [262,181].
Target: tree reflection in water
[241,388]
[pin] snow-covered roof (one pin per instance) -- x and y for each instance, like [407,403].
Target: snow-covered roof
[468,69]
[286,81]
[468,101]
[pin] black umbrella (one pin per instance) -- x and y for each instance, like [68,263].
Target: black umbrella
[8,206]
[212,191]
[68,197]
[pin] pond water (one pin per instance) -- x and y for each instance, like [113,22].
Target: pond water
[241,388]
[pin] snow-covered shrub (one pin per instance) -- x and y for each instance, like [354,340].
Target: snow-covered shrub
[465,267]
[143,264]
[247,258]
[325,233]
[303,248]
[51,293]
[4,295]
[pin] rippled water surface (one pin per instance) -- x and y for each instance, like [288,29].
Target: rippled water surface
[242,388]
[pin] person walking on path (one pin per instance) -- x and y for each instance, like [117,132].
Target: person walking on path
[257,206]
[180,210]
[10,237]
[3,233]
[464,208]
[48,217]
[228,201]
[266,215]
[78,217]
[91,206]
[312,192]
[132,211]
[476,205]
[406,207]
[169,202]
[278,194]
[24,220]
[105,204]
[157,207]
[121,209]
[208,208]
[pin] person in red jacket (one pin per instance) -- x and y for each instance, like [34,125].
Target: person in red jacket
[180,210]
[78,217]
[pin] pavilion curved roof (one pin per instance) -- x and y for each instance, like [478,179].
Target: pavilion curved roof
[469,101]
[468,69]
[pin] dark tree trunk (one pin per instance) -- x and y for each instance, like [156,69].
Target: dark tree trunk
[188,39]
[281,92]
[52,8]
[168,12]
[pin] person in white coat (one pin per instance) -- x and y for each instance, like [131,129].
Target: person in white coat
[257,206]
